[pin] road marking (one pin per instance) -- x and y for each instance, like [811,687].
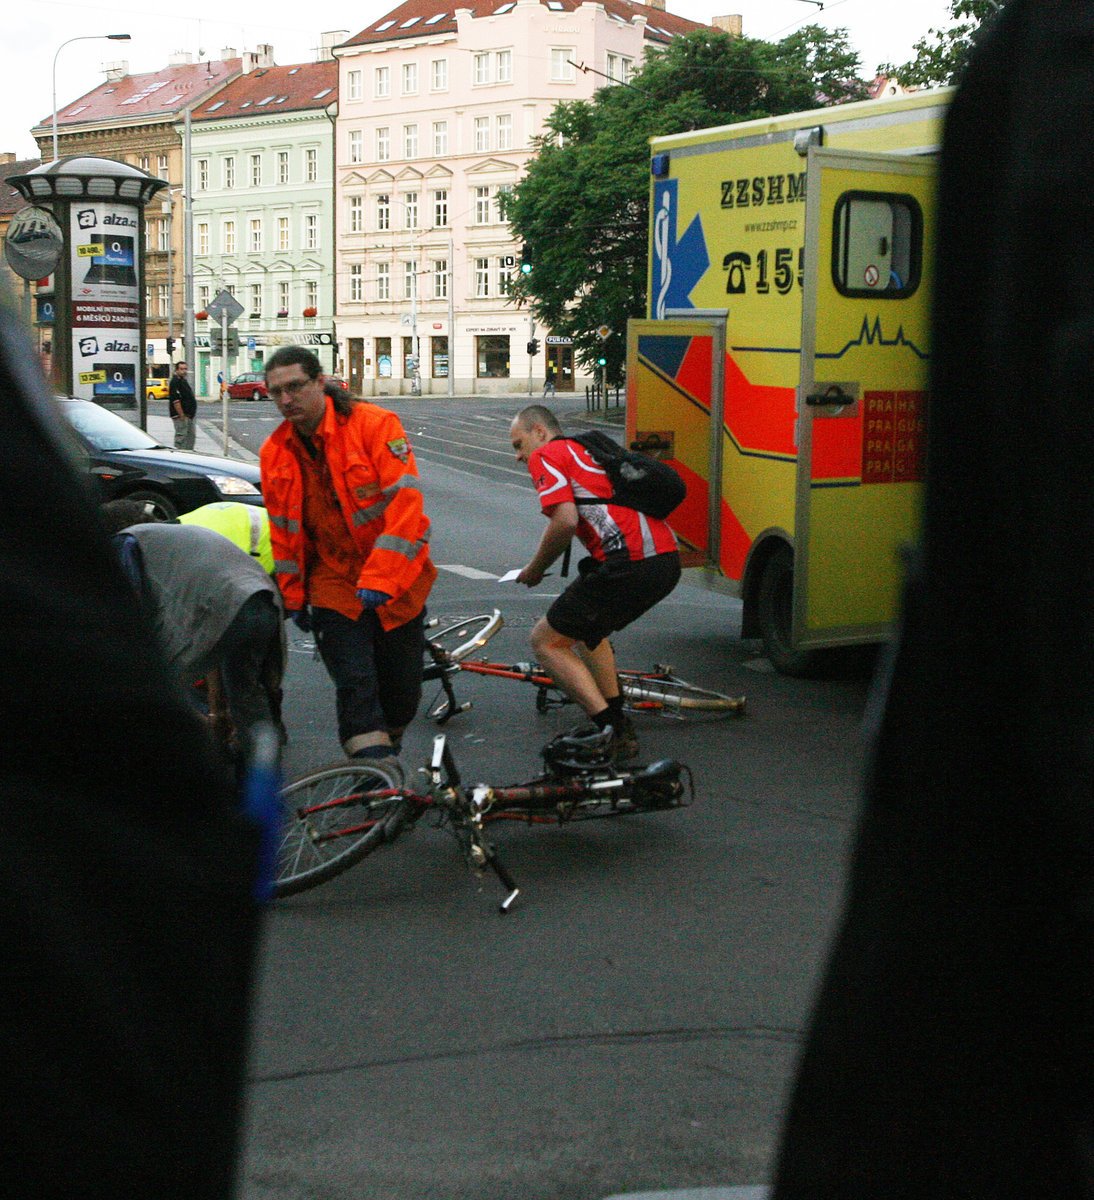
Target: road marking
[466,572]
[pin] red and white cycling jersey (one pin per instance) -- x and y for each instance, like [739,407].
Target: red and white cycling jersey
[562,471]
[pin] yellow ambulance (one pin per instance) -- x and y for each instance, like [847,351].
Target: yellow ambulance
[783,364]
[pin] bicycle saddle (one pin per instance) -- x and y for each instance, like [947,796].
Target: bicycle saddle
[582,748]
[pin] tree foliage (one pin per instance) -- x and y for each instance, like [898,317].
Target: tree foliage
[583,206]
[942,55]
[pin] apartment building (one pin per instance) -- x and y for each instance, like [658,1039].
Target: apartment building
[438,109]
[263,213]
[135,119]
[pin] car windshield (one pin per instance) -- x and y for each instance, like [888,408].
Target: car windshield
[103,429]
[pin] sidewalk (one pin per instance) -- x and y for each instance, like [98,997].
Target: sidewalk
[208,438]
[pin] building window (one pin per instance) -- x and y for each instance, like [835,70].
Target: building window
[482,206]
[410,210]
[230,171]
[440,209]
[256,170]
[410,79]
[163,235]
[228,237]
[311,293]
[439,348]
[256,236]
[311,231]
[561,69]
[283,233]
[161,299]
[356,281]
[503,66]
[147,238]
[283,296]
[383,281]
[501,197]
[440,279]
[410,141]
[203,174]
[383,144]
[438,74]
[440,138]
[482,277]
[203,297]
[383,212]
[161,167]
[356,146]
[256,299]
[492,357]
[482,134]
[311,166]
[353,85]
[480,68]
[620,68]
[410,359]
[203,237]
[383,357]
[144,162]
[383,82]
[356,214]
[410,280]
[505,131]
[505,278]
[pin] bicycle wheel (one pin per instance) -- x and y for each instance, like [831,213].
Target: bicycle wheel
[662,692]
[333,817]
[456,641]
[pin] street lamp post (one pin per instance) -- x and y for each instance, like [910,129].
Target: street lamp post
[88,37]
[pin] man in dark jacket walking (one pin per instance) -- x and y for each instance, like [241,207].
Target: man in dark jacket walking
[184,407]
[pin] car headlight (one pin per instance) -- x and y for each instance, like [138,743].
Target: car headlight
[232,485]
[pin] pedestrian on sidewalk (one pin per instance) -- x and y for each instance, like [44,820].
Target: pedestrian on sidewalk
[184,407]
[633,563]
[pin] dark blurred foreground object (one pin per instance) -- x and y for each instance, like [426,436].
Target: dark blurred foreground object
[126,911]
[950,1055]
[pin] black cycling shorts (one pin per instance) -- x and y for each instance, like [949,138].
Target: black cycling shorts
[608,596]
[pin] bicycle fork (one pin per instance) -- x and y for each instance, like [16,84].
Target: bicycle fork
[482,853]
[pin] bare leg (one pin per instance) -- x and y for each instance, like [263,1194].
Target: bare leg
[555,651]
[601,664]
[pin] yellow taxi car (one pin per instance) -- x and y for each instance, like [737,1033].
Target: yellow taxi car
[156,389]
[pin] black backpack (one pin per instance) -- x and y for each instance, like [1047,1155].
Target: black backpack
[638,481]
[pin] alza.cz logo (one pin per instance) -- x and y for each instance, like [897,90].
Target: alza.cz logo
[88,218]
[758,190]
[89,346]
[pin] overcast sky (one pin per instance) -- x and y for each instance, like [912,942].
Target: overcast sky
[881,30]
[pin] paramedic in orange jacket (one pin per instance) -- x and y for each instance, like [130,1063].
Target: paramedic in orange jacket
[351,547]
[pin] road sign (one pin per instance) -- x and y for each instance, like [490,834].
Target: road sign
[215,341]
[224,305]
[251,343]
[604,332]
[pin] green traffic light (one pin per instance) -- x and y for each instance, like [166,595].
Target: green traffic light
[526,268]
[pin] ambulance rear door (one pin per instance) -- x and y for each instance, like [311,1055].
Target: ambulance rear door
[863,390]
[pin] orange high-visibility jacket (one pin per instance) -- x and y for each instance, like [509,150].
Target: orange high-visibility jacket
[376,479]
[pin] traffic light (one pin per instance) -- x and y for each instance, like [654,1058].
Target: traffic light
[602,361]
[170,345]
[533,347]
[526,259]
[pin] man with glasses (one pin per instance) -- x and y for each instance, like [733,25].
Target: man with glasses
[351,547]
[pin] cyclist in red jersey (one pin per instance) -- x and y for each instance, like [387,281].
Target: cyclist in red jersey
[633,563]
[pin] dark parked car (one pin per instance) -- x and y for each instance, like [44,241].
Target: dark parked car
[251,385]
[127,462]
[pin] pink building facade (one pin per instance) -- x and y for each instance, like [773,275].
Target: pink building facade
[438,110]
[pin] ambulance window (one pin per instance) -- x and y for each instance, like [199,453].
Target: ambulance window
[877,244]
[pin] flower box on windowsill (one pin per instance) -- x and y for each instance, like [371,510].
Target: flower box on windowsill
[311,312]
[282,312]
[201,316]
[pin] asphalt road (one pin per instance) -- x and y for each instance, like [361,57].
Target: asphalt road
[634,1023]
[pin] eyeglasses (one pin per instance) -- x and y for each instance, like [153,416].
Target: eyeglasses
[292,388]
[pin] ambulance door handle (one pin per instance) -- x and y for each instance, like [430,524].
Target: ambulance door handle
[834,395]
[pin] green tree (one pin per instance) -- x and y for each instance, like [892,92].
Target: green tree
[942,55]
[583,206]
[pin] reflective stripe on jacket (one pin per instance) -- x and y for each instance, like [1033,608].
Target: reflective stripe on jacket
[376,480]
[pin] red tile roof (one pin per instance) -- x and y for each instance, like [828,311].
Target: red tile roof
[274,89]
[10,200]
[423,18]
[136,97]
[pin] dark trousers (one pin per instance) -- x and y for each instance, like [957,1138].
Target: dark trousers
[248,655]
[377,673]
